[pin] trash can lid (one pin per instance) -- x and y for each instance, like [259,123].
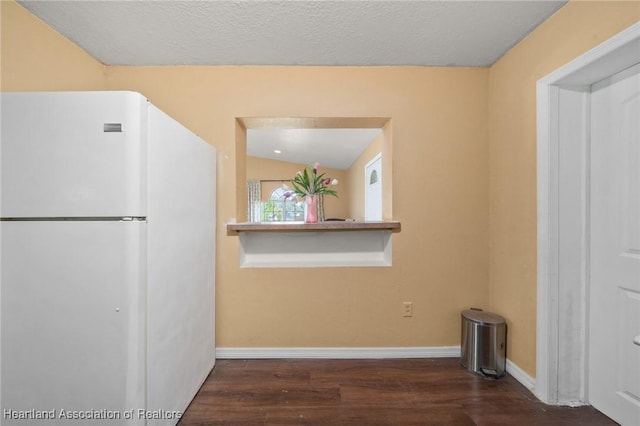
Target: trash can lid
[482,317]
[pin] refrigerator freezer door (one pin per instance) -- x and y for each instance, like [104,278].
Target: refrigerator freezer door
[73,154]
[72,321]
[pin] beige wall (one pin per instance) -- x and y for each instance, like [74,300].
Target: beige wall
[576,28]
[440,137]
[355,178]
[440,131]
[36,58]
[459,192]
[262,168]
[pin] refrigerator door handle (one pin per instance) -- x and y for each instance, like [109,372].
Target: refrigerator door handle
[112,127]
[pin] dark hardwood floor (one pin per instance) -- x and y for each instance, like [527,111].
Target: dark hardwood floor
[369,392]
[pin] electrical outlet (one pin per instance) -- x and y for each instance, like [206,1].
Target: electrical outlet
[407,309]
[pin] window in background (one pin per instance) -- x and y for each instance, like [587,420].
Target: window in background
[283,206]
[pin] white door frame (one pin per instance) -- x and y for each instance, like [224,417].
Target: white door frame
[563,200]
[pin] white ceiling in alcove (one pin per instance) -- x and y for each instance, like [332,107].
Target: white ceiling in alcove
[332,148]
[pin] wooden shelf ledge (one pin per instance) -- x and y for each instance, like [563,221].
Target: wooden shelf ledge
[330,226]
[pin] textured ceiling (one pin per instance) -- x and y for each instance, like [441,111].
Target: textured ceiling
[438,33]
[284,32]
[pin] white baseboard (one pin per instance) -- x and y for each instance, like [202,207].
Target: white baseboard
[362,353]
[518,373]
[339,353]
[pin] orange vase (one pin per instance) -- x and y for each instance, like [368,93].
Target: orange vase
[312,208]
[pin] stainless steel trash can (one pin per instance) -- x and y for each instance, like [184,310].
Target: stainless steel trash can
[483,346]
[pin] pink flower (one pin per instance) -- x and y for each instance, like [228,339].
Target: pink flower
[327,181]
[315,166]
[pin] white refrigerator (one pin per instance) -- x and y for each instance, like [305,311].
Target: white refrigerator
[107,260]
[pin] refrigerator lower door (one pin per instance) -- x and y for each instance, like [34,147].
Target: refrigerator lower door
[72,322]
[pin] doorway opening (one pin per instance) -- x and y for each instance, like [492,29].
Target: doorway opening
[373,189]
[563,216]
[351,192]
